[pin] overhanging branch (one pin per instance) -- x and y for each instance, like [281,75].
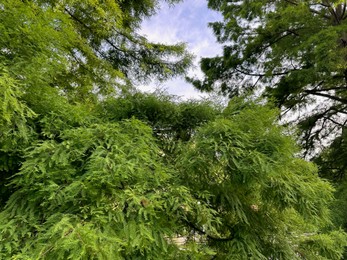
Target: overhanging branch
[318,93]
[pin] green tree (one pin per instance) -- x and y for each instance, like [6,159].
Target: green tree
[57,58]
[105,189]
[293,51]
[91,171]
[101,192]
[83,47]
[271,204]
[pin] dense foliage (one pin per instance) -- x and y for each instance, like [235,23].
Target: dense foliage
[60,57]
[101,192]
[100,184]
[266,198]
[91,169]
[83,46]
[294,54]
[295,50]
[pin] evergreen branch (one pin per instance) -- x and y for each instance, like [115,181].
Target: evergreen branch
[91,30]
[287,32]
[278,39]
[130,53]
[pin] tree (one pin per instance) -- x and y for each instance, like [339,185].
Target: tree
[83,47]
[101,192]
[59,57]
[87,173]
[262,193]
[292,51]
[106,189]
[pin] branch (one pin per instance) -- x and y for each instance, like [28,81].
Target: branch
[332,11]
[256,82]
[311,10]
[344,11]
[333,88]
[335,122]
[263,74]
[91,30]
[222,239]
[317,93]
[127,52]
[288,33]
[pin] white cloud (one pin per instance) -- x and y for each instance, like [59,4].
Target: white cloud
[186,22]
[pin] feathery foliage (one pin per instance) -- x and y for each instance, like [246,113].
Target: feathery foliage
[86,174]
[292,51]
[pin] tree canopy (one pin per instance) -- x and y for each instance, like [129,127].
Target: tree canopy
[82,47]
[292,53]
[59,57]
[294,50]
[93,169]
[109,187]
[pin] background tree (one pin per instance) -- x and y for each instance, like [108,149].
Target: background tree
[266,197]
[294,50]
[79,47]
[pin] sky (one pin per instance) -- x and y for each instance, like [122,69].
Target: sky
[185,22]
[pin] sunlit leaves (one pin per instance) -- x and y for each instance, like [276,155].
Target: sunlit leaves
[106,178]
